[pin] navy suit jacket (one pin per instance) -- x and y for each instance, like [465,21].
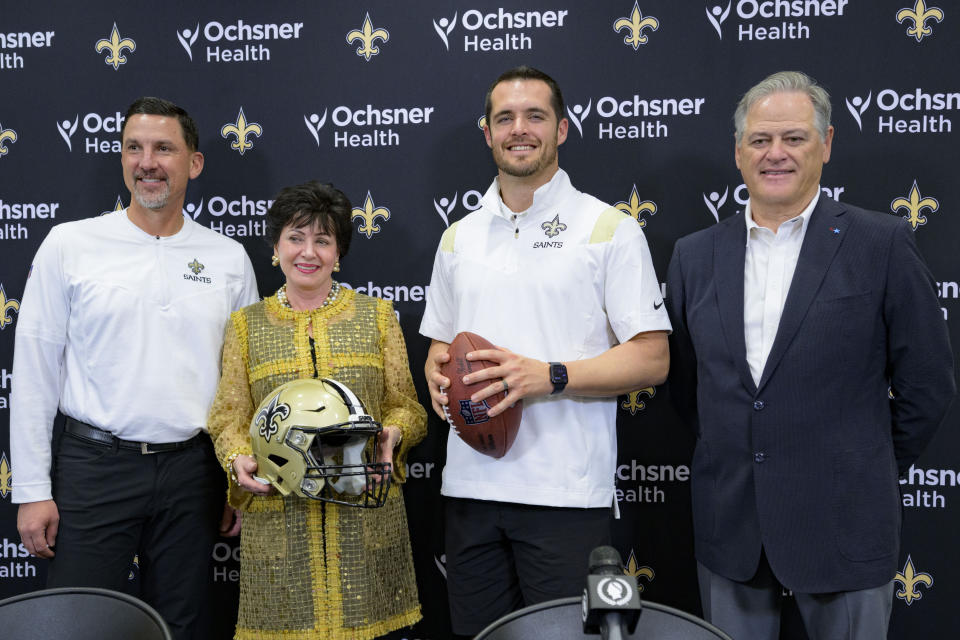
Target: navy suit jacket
[805,463]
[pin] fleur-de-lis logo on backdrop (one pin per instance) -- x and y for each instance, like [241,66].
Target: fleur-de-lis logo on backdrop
[6,135]
[367,36]
[6,476]
[118,206]
[553,228]
[633,403]
[635,25]
[6,308]
[115,45]
[910,580]
[369,214]
[241,130]
[196,267]
[919,15]
[914,203]
[634,569]
[268,420]
[634,207]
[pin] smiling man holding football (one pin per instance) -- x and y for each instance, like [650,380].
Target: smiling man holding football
[549,272]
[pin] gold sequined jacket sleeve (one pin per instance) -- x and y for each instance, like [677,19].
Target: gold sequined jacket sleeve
[400,405]
[232,409]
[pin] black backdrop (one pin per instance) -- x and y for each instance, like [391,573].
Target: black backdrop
[389,112]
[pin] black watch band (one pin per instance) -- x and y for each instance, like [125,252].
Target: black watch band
[558,376]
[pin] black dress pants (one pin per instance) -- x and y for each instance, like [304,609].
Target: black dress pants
[164,508]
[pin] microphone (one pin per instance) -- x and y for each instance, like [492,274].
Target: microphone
[611,600]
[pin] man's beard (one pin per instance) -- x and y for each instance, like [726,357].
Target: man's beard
[527,169]
[154,201]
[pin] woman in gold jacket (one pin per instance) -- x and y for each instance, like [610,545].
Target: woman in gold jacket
[312,569]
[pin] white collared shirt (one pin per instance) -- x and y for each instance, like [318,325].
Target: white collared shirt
[771,258]
[122,330]
[567,279]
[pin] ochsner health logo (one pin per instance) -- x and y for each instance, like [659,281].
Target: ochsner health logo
[924,110]
[187,37]
[365,126]
[499,30]
[237,41]
[443,27]
[578,113]
[717,15]
[445,205]
[772,19]
[857,105]
[94,125]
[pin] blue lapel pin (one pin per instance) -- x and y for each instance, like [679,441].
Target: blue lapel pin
[835,230]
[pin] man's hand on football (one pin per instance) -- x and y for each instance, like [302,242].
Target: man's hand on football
[520,376]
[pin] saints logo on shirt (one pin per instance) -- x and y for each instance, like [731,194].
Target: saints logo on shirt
[553,228]
[196,267]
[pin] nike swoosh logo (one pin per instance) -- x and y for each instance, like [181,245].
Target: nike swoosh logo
[656,306]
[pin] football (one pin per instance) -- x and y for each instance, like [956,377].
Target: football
[489,436]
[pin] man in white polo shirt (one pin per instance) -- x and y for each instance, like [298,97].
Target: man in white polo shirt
[121,327]
[542,270]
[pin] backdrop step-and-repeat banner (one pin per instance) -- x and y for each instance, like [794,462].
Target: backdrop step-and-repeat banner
[384,99]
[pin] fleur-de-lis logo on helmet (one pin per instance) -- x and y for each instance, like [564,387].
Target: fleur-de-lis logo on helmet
[633,403]
[919,15]
[241,130]
[553,228]
[6,308]
[911,579]
[369,214]
[914,203]
[367,36]
[635,208]
[635,25]
[6,135]
[634,569]
[115,45]
[267,421]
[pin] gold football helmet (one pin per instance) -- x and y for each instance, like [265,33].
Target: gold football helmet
[315,439]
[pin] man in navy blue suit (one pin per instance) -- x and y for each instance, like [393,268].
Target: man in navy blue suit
[811,357]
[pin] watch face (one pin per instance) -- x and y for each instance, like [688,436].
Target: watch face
[558,374]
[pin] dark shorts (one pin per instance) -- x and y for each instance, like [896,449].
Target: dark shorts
[503,556]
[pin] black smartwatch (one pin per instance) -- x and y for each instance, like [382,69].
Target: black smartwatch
[558,376]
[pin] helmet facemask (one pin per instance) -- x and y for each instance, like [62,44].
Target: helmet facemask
[315,439]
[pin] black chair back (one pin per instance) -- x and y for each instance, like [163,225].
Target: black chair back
[80,613]
[561,620]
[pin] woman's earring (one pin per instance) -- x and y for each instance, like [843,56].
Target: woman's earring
[336,266]
[275,261]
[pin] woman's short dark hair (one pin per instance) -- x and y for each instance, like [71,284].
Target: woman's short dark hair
[311,203]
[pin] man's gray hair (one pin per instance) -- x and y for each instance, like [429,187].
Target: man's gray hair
[780,82]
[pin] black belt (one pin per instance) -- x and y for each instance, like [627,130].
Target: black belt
[92,434]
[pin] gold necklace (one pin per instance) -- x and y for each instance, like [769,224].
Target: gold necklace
[331,295]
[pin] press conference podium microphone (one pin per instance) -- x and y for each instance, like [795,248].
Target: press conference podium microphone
[611,600]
